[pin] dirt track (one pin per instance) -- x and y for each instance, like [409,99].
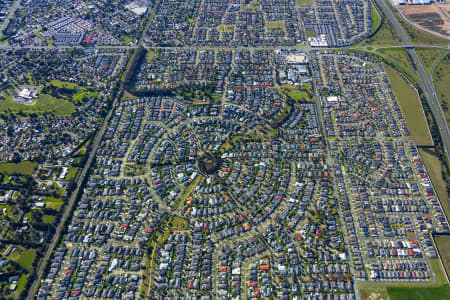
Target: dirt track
[432,18]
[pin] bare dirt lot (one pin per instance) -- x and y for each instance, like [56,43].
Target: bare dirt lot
[433,18]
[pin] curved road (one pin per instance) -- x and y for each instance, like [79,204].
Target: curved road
[426,84]
[69,208]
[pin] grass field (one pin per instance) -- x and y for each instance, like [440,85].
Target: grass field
[61,103]
[298,95]
[71,173]
[400,57]
[81,94]
[437,293]
[125,39]
[48,219]
[24,257]
[310,33]
[434,167]
[428,56]
[179,223]
[275,25]
[305,2]
[411,108]
[189,190]
[45,103]
[386,291]
[253,5]
[225,28]
[385,36]
[20,286]
[53,203]
[302,93]
[23,168]
[151,55]
[63,84]
[376,19]
[443,244]
[441,79]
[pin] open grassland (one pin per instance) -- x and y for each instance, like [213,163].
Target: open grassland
[81,94]
[24,257]
[443,244]
[63,84]
[73,171]
[398,56]
[372,291]
[20,286]
[402,293]
[53,203]
[305,2]
[272,25]
[225,28]
[376,19]
[78,92]
[435,169]
[385,36]
[428,56]
[45,103]
[252,5]
[48,219]
[441,79]
[22,168]
[389,291]
[299,93]
[57,97]
[411,108]
[151,55]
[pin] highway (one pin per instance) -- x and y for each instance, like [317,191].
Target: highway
[426,82]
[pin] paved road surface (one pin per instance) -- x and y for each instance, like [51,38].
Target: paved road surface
[426,83]
[69,208]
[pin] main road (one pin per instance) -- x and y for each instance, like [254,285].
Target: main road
[426,82]
[69,208]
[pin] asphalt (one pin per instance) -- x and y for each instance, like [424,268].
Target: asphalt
[425,81]
[72,200]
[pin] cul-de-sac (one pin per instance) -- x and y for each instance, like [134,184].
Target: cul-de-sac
[224,149]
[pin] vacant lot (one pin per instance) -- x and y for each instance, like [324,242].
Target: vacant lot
[385,36]
[24,257]
[401,293]
[411,108]
[225,28]
[428,17]
[53,203]
[428,56]
[23,168]
[441,79]
[407,291]
[376,20]
[443,244]
[400,57]
[273,25]
[305,2]
[434,167]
